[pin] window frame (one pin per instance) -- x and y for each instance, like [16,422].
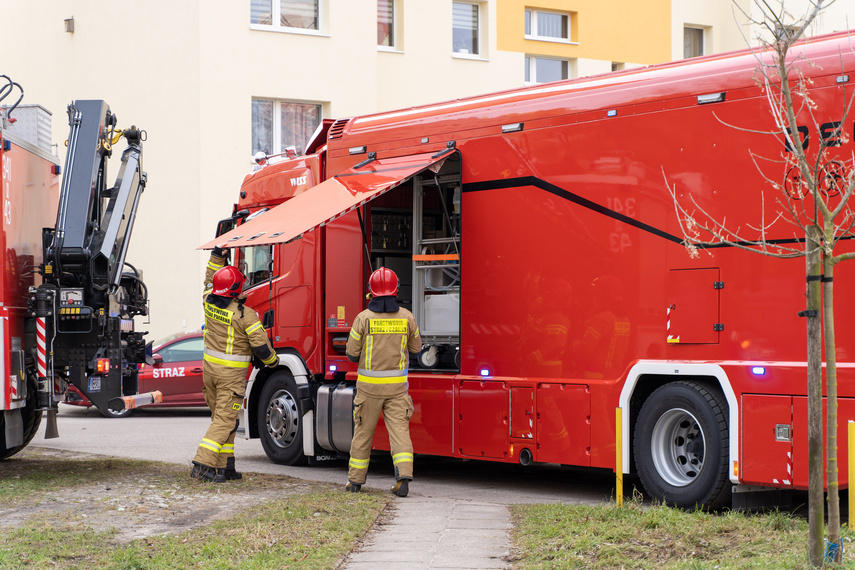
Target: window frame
[252,278]
[175,351]
[531,68]
[703,37]
[277,123]
[479,32]
[533,27]
[276,19]
[394,36]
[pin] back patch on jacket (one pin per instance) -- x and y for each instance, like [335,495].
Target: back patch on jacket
[387,326]
[217,314]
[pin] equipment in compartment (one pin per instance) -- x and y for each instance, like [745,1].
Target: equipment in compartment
[415,232]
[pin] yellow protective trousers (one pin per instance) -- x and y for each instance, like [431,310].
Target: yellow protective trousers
[397,411]
[224,390]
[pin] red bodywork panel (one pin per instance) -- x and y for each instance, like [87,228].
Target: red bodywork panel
[30,191]
[574,270]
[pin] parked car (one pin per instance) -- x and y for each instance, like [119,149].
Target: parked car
[176,372]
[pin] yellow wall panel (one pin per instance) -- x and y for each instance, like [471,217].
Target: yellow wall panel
[610,30]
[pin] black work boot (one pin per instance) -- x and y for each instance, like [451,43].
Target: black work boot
[231,474]
[401,488]
[201,472]
[352,487]
[207,474]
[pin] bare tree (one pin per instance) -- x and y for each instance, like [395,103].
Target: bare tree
[812,193]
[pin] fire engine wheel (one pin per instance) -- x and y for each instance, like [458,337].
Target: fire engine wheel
[31,419]
[280,420]
[680,443]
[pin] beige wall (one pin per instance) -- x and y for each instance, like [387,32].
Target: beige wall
[188,79]
[727,22]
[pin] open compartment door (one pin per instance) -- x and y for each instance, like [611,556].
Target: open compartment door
[328,200]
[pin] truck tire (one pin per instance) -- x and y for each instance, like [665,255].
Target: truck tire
[280,420]
[681,443]
[32,420]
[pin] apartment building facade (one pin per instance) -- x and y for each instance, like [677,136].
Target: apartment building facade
[215,82]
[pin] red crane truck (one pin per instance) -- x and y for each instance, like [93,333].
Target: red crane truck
[537,244]
[67,297]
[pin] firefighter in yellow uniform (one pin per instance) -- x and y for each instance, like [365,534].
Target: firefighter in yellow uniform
[381,340]
[233,334]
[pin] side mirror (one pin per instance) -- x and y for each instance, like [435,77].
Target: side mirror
[158,359]
[224,226]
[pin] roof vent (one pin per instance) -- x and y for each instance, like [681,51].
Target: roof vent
[337,129]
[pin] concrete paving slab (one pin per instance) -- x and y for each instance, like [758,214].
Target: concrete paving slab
[438,533]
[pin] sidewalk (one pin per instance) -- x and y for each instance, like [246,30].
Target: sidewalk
[437,533]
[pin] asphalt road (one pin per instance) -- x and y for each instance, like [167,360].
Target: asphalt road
[172,435]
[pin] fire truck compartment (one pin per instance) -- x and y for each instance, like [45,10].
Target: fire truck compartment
[415,231]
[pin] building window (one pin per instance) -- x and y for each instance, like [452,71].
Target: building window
[386,23]
[618,66]
[693,42]
[277,124]
[547,25]
[544,69]
[290,14]
[466,23]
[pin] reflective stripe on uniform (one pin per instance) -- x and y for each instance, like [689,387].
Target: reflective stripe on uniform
[210,444]
[387,380]
[229,363]
[254,327]
[231,360]
[224,356]
[273,358]
[355,335]
[358,463]
[230,448]
[215,266]
[402,458]
[230,340]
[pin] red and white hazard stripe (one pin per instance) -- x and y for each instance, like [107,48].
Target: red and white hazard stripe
[42,346]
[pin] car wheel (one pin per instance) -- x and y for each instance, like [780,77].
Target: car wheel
[280,420]
[108,413]
[681,442]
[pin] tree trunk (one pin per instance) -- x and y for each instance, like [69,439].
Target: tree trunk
[831,414]
[816,513]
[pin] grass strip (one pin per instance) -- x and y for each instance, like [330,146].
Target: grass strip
[639,536]
[314,530]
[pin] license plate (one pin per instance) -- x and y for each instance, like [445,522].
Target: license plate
[95,384]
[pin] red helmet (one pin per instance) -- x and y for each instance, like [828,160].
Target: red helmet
[228,281]
[383,282]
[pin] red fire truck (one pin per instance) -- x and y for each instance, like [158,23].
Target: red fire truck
[538,247]
[67,297]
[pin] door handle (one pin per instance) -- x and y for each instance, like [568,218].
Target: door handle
[196,370]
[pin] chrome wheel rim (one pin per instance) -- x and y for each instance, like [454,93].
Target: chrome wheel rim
[282,418]
[678,447]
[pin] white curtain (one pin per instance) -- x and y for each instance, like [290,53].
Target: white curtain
[551,25]
[299,14]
